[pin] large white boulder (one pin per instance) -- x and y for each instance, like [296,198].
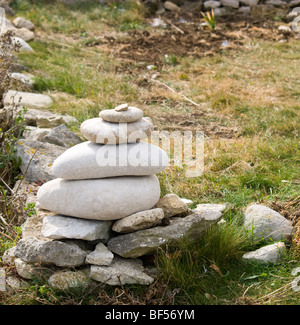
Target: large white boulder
[265,223]
[89,160]
[100,199]
[29,100]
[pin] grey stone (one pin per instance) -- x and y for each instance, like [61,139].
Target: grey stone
[62,227]
[210,206]
[172,205]
[169,5]
[140,220]
[35,133]
[29,100]
[9,256]
[100,256]
[69,279]
[37,159]
[266,223]
[121,272]
[20,22]
[99,131]
[231,3]
[2,280]
[89,160]
[62,136]
[147,241]
[24,79]
[68,253]
[211,4]
[23,33]
[5,5]
[23,45]
[276,3]
[267,254]
[30,271]
[249,3]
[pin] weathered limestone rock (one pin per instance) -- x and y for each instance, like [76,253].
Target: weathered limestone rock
[30,271]
[89,160]
[140,220]
[267,254]
[266,223]
[23,45]
[29,100]
[37,159]
[249,3]
[35,133]
[210,206]
[211,4]
[9,256]
[100,256]
[24,80]
[100,199]
[172,205]
[169,5]
[132,114]
[65,280]
[121,272]
[23,33]
[230,3]
[100,131]
[62,136]
[147,241]
[20,22]
[63,227]
[68,253]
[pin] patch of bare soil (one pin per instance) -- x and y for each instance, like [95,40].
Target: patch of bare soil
[189,38]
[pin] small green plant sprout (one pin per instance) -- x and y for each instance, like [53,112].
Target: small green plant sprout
[30,209]
[209,19]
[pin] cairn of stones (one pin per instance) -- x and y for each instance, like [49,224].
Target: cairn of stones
[104,211]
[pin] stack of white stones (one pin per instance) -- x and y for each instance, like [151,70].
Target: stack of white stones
[103,186]
[112,175]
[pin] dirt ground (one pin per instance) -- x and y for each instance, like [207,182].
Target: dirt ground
[183,36]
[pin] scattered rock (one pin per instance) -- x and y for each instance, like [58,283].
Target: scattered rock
[171,6]
[29,100]
[231,3]
[30,271]
[140,220]
[172,205]
[249,3]
[2,280]
[121,272]
[122,108]
[24,46]
[120,196]
[266,223]
[284,28]
[5,5]
[68,279]
[186,201]
[68,253]
[24,79]
[100,256]
[267,254]
[22,33]
[144,242]
[210,207]
[62,227]
[88,160]
[62,136]
[34,133]
[211,4]
[20,22]
[37,159]
[9,256]
[276,3]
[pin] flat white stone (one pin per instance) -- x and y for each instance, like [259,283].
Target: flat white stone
[267,254]
[138,221]
[61,227]
[121,108]
[131,114]
[89,160]
[99,131]
[120,272]
[210,206]
[100,199]
[29,100]
[100,256]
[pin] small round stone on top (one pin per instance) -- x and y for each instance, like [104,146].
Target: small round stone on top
[120,115]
